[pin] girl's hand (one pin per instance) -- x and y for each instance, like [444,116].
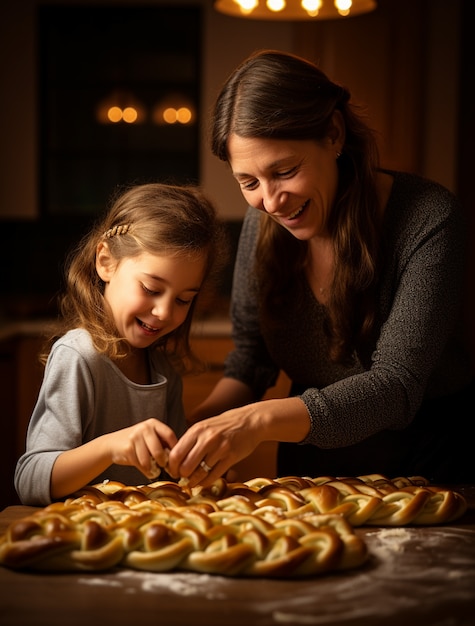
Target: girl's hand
[145,445]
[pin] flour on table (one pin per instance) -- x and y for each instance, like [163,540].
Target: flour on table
[180,583]
[389,540]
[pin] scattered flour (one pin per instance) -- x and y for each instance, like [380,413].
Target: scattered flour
[410,570]
[180,583]
[389,540]
[104,582]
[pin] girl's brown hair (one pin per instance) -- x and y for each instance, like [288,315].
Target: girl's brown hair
[156,219]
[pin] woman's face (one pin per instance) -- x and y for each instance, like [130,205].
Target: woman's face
[294,181]
[149,295]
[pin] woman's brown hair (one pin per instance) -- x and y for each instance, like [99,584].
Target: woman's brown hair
[277,95]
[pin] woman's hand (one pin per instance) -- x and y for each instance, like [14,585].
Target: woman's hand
[212,446]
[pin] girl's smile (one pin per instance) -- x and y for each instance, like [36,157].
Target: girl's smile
[150,295]
[147,328]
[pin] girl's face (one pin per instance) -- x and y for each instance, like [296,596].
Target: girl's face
[149,295]
[295,182]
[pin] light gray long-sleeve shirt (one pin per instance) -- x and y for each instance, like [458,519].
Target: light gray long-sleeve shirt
[85,395]
[418,352]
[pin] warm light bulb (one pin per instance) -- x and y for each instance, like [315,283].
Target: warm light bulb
[169,115]
[312,7]
[275,5]
[343,6]
[114,114]
[129,115]
[246,6]
[295,9]
[183,115]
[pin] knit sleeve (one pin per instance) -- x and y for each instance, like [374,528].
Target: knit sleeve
[421,298]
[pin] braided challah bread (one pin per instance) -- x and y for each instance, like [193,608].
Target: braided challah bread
[283,528]
[155,537]
[364,500]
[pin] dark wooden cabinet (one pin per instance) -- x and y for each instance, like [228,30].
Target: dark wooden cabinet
[20,379]
[8,402]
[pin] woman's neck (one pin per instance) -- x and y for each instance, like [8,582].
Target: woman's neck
[320,267]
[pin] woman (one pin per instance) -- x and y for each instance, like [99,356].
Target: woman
[349,278]
[110,405]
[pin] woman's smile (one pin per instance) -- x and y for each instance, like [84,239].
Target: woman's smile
[298,212]
[294,182]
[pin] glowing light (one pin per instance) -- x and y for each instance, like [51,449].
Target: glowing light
[174,108]
[169,115]
[114,114]
[120,107]
[294,9]
[312,6]
[276,5]
[247,6]
[343,6]
[129,115]
[183,115]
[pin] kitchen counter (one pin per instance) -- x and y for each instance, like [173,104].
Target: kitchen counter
[422,576]
[209,326]
[10,329]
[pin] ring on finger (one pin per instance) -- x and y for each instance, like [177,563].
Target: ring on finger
[205,466]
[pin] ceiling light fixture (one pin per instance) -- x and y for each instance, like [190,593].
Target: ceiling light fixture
[294,9]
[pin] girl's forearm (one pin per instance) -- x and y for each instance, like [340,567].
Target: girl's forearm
[77,467]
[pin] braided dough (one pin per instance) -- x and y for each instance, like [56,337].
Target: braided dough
[284,528]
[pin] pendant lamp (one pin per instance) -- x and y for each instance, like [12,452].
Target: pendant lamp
[292,10]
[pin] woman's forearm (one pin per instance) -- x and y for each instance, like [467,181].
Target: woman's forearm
[225,439]
[228,393]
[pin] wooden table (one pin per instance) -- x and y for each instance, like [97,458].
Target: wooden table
[422,576]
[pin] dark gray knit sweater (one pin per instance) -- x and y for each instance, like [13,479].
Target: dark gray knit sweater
[419,352]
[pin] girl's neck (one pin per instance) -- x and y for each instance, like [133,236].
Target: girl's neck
[136,367]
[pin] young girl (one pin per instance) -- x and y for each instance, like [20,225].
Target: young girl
[110,405]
